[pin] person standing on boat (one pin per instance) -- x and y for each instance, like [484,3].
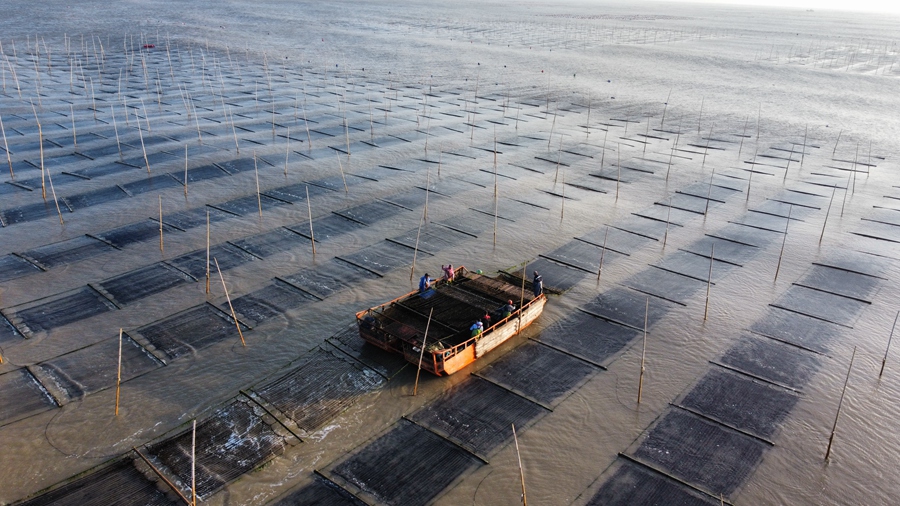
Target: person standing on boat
[425,283]
[508,309]
[537,284]
[449,273]
[477,328]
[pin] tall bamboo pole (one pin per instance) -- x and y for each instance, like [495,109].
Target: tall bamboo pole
[602,253]
[833,189]
[422,352]
[228,298]
[840,405]
[496,194]
[207,250]
[141,135]
[643,352]
[185,170]
[783,240]
[521,471]
[712,254]
[412,270]
[119,373]
[161,249]
[74,134]
[116,129]
[12,175]
[522,296]
[344,179]
[312,236]
[258,197]
[194,464]
[55,200]
[287,150]
[888,349]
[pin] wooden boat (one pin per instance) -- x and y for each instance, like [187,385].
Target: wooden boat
[399,326]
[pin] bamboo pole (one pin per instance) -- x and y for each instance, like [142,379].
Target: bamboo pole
[833,189]
[668,215]
[422,352]
[55,200]
[312,236]
[161,249]
[412,270]
[709,193]
[521,471]
[700,116]
[618,168]
[305,122]
[344,179]
[522,296]
[758,118]
[783,240]
[146,117]
[207,250]
[603,150]
[143,148]
[496,195]
[888,349]
[237,147]
[228,298]
[196,119]
[12,175]
[671,155]
[74,134]
[665,107]
[162,476]
[588,123]
[743,135]
[788,165]
[185,170]
[427,190]
[602,253]
[194,464]
[643,352]
[41,143]
[833,151]
[558,157]
[287,150]
[258,197]
[119,373]
[562,210]
[840,405]
[116,130]
[803,155]
[347,134]
[712,254]
[752,170]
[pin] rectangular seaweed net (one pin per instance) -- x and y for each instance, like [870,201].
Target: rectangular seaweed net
[232,442]
[407,465]
[319,390]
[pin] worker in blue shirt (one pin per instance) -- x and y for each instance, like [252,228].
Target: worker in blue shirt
[425,283]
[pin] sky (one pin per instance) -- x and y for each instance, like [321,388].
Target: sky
[891,6]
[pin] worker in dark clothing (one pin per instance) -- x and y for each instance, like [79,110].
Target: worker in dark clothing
[507,309]
[538,284]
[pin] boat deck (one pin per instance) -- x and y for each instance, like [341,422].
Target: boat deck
[456,306]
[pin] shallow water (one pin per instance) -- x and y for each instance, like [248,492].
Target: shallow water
[750,79]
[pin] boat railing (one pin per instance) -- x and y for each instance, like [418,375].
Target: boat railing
[453,350]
